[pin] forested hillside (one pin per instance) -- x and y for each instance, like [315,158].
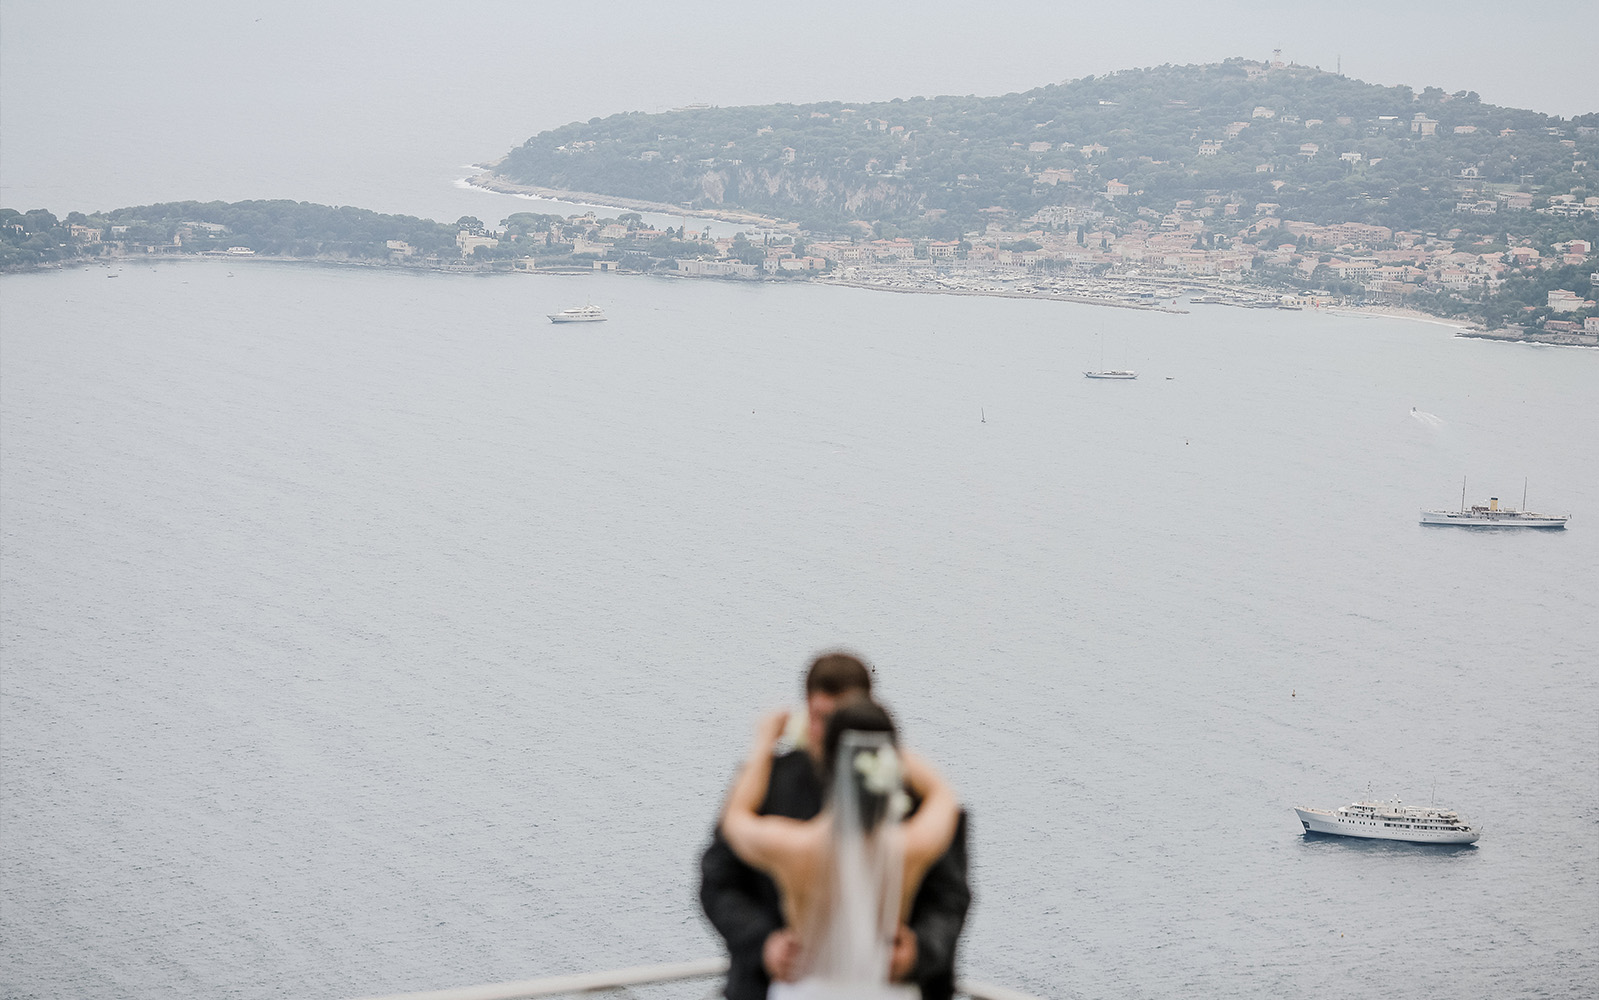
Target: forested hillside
[1321,147]
[288,228]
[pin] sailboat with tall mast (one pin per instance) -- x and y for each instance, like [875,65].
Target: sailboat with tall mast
[1491,515]
[1110,374]
[1103,372]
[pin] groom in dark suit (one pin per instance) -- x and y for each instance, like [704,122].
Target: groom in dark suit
[744,906]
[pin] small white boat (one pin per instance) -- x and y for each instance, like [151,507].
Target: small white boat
[1110,374]
[1390,821]
[588,314]
[1493,515]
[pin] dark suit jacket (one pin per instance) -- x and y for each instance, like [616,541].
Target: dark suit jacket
[744,907]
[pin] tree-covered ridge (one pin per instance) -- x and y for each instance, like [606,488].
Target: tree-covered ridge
[287,228]
[306,231]
[1251,133]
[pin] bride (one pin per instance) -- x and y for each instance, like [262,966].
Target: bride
[848,876]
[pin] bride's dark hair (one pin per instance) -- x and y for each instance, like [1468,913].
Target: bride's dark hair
[860,715]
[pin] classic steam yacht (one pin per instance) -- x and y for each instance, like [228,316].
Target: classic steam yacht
[1493,516]
[588,314]
[1390,821]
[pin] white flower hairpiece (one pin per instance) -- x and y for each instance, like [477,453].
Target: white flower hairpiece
[898,805]
[879,770]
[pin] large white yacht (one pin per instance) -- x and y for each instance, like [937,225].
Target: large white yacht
[1493,515]
[587,314]
[1390,821]
[1110,374]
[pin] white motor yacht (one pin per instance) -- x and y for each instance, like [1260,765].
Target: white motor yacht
[1390,821]
[587,314]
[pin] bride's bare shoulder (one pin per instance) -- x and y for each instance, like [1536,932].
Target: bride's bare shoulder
[776,841]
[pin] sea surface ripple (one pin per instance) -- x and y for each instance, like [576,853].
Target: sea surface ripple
[365,632]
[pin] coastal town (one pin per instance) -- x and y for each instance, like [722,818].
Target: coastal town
[1249,182]
[1244,183]
[1261,184]
[1076,254]
[1167,261]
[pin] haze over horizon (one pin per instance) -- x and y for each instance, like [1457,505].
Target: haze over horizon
[108,106]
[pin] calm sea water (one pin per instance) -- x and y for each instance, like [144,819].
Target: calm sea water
[364,632]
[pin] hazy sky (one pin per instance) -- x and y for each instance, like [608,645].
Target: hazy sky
[373,103]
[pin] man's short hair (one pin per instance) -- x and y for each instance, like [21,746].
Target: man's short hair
[837,674]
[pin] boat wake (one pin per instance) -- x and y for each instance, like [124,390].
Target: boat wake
[1429,419]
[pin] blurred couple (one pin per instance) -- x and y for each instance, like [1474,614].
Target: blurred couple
[838,866]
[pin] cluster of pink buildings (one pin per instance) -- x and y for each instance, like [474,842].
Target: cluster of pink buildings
[1168,243]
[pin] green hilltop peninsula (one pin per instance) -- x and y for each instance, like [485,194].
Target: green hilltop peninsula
[1243,139]
[1268,174]
[1237,183]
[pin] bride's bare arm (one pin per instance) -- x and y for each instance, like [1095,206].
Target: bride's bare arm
[929,832]
[753,837]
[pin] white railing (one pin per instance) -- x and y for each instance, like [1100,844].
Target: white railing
[551,986]
[591,982]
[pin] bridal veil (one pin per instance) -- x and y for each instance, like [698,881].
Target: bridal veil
[850,942]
